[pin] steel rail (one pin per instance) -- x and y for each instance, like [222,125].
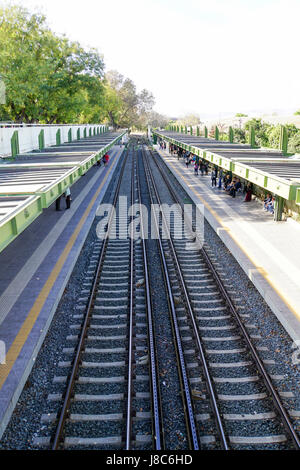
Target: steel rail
[155,392]
[191,422]
[77,359]
[130,331]
[258,362]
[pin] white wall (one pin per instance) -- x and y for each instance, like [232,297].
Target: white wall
[28,136]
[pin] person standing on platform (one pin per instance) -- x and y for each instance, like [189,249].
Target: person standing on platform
[248,196]
[267,200]
[227,181]
[106,159]
[235,187]
[68,198]
[220,179]
[57,204]
[213,177]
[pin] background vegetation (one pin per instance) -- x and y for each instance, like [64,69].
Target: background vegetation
[50,79]
[268,135]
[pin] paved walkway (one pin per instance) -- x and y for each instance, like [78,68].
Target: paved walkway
[35,269]
[268,251]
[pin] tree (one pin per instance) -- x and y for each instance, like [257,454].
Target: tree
[241,115]
[157,120]
[239,135]
[274,134]
[152,119]
[268,135]
[294,143]
[124,107]
[48,78]
[261,130]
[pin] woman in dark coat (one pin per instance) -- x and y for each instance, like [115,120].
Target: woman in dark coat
[248,196]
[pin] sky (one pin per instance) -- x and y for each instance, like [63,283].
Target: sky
[211,57]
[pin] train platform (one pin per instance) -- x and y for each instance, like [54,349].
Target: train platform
[268,170]
[32,181]
[268,251]
[36,267]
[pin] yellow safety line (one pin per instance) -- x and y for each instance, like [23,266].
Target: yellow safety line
[33,314]
[262,272]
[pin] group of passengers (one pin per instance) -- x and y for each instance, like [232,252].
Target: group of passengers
[202,166]
[67,193]
[231,184]
[269,203]
[199,165]
[173,149]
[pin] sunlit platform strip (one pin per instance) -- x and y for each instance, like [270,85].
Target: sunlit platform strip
[36,267]
[269,170]
[41,178]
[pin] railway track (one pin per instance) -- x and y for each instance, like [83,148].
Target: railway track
[111,372]
[112,394]
[233,383]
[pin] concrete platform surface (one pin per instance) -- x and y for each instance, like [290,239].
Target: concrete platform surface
[34,270]
[268,251]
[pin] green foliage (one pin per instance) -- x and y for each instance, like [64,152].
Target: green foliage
[239,135]
[48,78]
[273,137]
[241,115]
[274,134]
[294,143]
[268,135]
[291,130]
[261,130]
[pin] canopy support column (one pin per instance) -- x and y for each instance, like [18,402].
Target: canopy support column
[278,209]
